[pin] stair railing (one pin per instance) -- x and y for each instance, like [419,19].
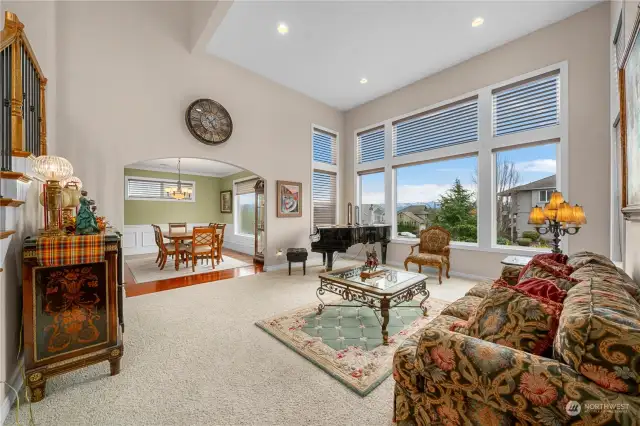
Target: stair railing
[23,125]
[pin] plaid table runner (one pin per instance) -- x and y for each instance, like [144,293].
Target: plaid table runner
[56,251]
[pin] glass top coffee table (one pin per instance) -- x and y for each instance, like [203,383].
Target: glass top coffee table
[379,293]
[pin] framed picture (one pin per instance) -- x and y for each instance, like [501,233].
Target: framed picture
[225,202]
[289,198]
[629,87]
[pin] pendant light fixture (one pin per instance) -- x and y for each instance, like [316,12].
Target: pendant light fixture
[178,192]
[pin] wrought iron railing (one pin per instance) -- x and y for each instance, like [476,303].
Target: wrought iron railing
[23,127]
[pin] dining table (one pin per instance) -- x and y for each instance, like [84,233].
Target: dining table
[178,237]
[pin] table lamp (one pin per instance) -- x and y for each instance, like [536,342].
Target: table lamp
[52,170]
[558,218]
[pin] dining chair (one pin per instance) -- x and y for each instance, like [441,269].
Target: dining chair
[219,227]
[168,249]
[203,245]
[178,227]
[158,236]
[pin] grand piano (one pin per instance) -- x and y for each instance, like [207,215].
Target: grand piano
[329,239]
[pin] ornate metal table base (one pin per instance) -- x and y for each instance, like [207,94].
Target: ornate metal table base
[374,301]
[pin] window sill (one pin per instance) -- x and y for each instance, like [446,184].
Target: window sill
[509,250]
[244,235]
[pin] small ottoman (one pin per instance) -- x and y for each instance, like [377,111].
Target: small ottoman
[298,255]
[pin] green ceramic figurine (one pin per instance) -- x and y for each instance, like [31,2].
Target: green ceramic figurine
[85,220]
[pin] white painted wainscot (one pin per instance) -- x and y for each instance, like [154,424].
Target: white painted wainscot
[139,239]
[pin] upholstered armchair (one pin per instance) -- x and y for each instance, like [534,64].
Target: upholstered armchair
[433,250]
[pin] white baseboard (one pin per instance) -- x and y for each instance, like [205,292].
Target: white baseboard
[10,398]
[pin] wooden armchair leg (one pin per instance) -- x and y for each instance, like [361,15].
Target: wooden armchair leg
[440,274]
[448,266]
[406,264]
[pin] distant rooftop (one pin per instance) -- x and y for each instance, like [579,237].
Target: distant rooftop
[545,183]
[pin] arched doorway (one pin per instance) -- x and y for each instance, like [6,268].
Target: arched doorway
[165,199]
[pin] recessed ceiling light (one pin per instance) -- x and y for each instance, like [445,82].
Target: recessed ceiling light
[477,22]
[363,80]
[283,28]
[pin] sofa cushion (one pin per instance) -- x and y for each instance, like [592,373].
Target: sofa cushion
[510,274]
[610,274]
[580,259]
[541,287]
[599,335]
[404,369]
[463,307]
[480,289]
[510,317]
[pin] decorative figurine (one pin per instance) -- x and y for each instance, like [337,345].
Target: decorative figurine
[372,260]
[85,220]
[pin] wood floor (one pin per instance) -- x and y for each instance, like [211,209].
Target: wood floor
[134,289]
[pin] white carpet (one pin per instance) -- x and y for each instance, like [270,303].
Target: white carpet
[193,356]
[144,268]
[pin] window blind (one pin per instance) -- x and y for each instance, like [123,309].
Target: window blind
[618,39]
[371,145]
[324,147]
[246,186]
[324,198]
[152,189]
[528,106]
[451,125]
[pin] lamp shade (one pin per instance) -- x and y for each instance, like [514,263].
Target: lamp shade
[50,167]
[555,201]
[579,217]
[550,213]
[74,180]
[565,213]
[536,216]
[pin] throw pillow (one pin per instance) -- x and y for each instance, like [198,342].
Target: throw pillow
[510,317]
[549,270]
[541,287]
[555,257]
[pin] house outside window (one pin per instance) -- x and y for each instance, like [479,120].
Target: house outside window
[545,195]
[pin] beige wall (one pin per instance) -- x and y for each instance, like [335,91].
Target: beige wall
[130,62]
[206,207]
[632,237]
[583,41]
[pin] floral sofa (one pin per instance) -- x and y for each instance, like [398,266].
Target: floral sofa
[591,377]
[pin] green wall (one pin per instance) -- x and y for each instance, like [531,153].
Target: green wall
[205,209]
[226,184]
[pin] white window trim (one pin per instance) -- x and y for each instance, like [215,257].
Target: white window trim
[485,150]
[236,222]
[324,167]
[172,181]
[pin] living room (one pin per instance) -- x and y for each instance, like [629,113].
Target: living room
[508,119]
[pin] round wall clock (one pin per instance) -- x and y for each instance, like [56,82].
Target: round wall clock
[208,121]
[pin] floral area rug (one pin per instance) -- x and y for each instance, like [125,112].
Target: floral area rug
[346,341]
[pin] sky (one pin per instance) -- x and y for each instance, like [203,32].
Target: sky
[426,182]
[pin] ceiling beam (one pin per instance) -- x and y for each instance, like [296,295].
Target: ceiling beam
[206,17]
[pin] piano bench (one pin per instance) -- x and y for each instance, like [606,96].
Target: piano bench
[298,255]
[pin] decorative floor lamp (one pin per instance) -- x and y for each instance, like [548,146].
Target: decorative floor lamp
[53,169]
[557,218]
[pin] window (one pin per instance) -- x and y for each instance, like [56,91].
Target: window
[245,206]
[151,189]
[438,193]
[372,208]
[324,147]
[545,195]
[446,126]
[371,145]
[324,198]
[617,220]
[525,177]
[324,178]
[527,106]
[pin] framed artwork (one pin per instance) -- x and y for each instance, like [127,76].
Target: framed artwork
[629,87]
[289,198]
[225,202]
